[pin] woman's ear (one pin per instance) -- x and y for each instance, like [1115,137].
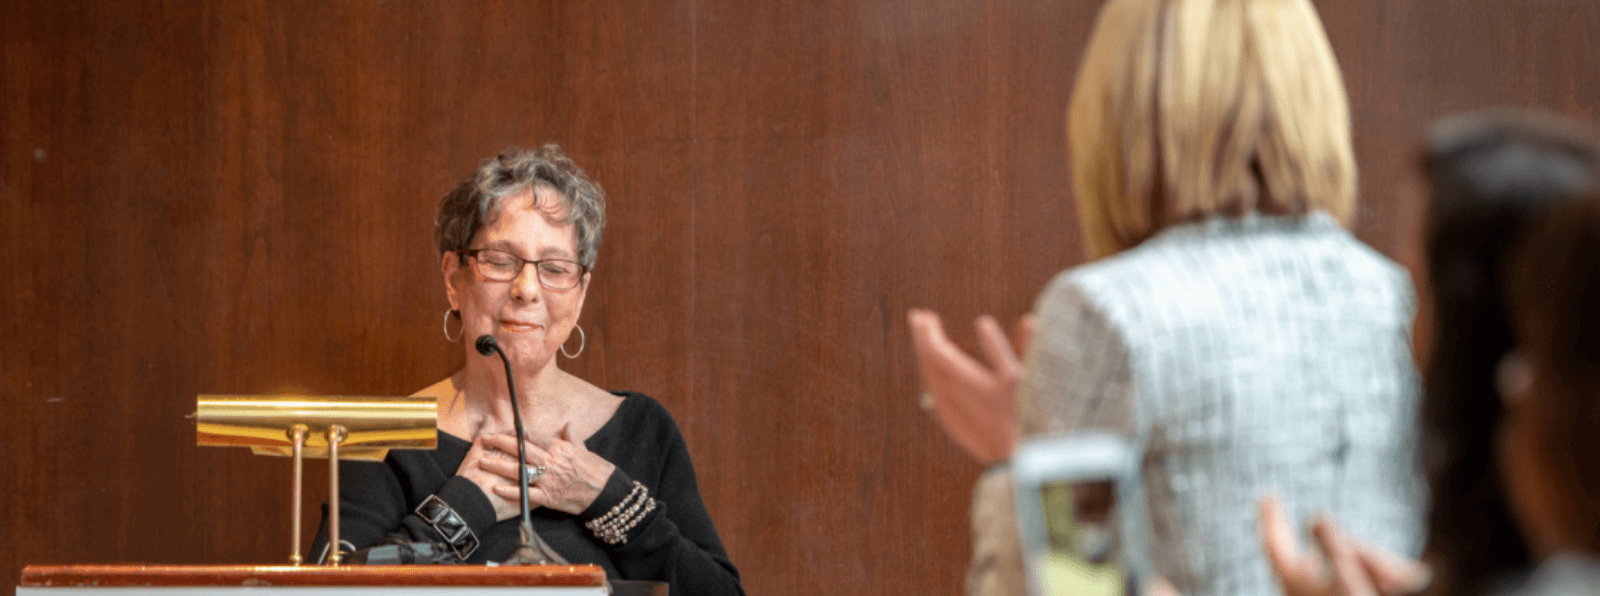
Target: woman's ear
[1512,379]
[583,292]
[450,266]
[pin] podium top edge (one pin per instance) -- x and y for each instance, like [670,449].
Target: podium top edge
[308,575]
[293,397]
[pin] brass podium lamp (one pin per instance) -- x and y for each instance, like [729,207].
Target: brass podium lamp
[334,427]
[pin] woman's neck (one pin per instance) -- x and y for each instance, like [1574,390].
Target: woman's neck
[484,400]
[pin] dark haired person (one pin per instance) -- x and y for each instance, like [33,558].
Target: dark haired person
[1491,174]
[1508,420]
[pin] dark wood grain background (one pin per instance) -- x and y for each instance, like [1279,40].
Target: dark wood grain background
[237,197]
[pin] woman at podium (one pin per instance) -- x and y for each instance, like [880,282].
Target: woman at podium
[610,480]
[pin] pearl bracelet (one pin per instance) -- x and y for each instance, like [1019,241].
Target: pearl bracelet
[613,527]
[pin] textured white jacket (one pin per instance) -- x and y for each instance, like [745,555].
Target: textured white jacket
[1247,356]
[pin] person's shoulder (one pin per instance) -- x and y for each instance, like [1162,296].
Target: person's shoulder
[445,388]
[450,437]
[1323,230]
[600,406]
[1365,272]
[638,409]
[639,437]
[1097,284]
[1372,261]
[1065,290]
[1105,276]
[1220,249]
[448,397]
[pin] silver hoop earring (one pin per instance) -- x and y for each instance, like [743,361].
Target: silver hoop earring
[457,314]
[583,342]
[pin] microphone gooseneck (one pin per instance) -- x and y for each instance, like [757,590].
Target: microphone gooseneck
[486,345]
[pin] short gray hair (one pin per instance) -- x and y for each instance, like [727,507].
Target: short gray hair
[475,202]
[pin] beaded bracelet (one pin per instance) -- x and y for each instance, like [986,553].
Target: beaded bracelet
[613,527]
[617,532]
[638,489]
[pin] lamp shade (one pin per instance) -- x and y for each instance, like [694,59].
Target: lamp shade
[373,425]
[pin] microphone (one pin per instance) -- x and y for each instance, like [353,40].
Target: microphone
[525,553]
[487,345]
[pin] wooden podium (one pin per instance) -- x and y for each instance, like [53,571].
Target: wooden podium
[407,580]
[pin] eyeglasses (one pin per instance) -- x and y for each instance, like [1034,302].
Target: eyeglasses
[556,274]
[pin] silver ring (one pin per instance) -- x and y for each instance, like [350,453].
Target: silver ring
[534,472]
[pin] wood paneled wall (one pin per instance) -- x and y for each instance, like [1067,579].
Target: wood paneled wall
[237,197]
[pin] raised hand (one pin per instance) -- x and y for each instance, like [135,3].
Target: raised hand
[976,404]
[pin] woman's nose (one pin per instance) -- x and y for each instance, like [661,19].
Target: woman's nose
[527,283]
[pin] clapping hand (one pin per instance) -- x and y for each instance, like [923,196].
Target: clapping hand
[976,404]
[1350,568]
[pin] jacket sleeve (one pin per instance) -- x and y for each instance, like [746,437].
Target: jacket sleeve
[374,508]
[673,539]
[1077,375]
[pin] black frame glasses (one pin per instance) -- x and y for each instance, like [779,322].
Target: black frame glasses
[552,273]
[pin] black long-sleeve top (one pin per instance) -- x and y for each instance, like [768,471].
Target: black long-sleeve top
[676,542]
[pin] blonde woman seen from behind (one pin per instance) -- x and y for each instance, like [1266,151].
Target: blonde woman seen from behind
[1230,324]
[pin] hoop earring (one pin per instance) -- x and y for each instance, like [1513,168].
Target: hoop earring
[457,314]
[583,342]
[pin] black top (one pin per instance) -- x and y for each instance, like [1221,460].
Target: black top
[675,543]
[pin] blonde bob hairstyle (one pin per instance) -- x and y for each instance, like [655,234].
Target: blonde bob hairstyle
[1188,108]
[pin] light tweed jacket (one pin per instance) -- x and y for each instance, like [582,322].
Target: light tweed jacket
[1251,356]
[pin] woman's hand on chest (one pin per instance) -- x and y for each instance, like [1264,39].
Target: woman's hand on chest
[572,475]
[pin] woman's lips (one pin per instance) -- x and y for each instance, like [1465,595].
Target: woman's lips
[517,326]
